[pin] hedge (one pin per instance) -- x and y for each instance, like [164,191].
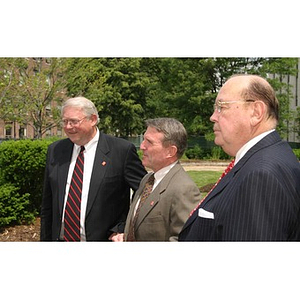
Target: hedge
[22,165]
[14,208]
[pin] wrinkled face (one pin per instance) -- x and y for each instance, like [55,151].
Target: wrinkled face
[79,129]
[155,155]
[232,127]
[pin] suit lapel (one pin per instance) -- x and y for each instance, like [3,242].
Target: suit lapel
[63,164]
[270,139]
[265,142]
[148,205]
[155,196]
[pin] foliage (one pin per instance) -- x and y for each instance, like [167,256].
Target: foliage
[14,207]
[297,153]
[129,90]
[22,164]
[31,92]
[211,153]
[195,153]
[117,86]
[218,153]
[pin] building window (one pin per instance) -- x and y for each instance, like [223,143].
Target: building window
[22,132]
[8,130]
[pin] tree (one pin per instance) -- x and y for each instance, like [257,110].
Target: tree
[10,104]
[41,86]
[117,86]
[129,90]
[32,92]
[180,88]
[276,70]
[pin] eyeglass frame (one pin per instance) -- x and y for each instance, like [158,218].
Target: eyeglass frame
[72,123]
[218,105]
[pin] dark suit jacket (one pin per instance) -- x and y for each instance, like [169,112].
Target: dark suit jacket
[109,193]
[167,208]
[258,200]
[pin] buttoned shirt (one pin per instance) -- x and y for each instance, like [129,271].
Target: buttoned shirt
[158,177]
[89,157]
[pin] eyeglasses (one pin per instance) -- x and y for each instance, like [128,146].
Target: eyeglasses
[71,122]
[220,104]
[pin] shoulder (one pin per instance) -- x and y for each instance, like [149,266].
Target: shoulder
[61,144]
[115,144]
[179,178]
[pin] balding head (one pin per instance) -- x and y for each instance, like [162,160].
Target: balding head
[257,88]
[245,107]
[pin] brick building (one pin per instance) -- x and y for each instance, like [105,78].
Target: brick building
[13,129]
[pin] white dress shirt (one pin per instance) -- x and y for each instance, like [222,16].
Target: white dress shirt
[249,145]
[158,177]
[89,157]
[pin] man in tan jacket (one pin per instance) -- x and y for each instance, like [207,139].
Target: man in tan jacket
[174,195]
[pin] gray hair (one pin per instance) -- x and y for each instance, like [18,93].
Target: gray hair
[174,133]
[86,105]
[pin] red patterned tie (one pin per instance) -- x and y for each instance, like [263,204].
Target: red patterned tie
[72,210]
[227,170]
[145,194]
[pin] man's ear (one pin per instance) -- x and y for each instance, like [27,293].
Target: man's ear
[172,151]
[258,113]
[94,120]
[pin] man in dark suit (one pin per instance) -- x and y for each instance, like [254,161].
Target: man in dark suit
[173,193]
[259,199]
[111,168]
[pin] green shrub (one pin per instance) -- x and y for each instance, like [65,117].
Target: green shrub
[22,164]
[297,153]
[140,153]
[195,153]
[13,206]
[216,153]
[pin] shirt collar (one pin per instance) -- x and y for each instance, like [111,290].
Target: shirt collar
[90,144]
[250,144]
[160,174]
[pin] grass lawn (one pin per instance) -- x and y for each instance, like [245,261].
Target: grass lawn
[202,178]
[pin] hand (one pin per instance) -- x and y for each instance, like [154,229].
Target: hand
[117,237]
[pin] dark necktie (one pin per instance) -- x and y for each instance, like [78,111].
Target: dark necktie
[227,170]
[145,194]
[72,210]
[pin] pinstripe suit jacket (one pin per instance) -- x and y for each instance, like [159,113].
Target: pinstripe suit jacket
[258,200]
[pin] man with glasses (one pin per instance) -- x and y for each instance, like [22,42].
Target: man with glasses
[259,198]
[88,178]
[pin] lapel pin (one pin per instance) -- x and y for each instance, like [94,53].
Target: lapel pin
[152,202]
[103,163]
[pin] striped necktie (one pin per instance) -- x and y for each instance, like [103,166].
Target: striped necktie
[145,194]
[72,210]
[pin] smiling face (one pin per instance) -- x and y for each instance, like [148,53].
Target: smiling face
[155,155]
[84,131]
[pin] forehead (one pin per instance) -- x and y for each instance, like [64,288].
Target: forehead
[152,134]
[232,89]
[72,111]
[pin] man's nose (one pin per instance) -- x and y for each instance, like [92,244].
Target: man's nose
[142,145]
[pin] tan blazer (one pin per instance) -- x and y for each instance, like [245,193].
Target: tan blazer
[164,213]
